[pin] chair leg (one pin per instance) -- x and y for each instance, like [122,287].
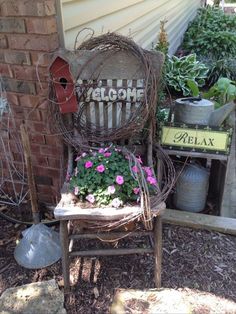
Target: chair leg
[65,254]
[157,250]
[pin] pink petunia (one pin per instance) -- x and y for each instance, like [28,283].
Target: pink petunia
[111,189]
[116,202]
[100,168]
[139,159]
[119,180]
[136,190]
[148,171]
[76,190]
[88,164]
[90,198]
[101,150]
[151,180]
[107,154]
[135,169]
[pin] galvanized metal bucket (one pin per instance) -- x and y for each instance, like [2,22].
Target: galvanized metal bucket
[192,188]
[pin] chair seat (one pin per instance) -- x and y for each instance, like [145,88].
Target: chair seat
[73,211]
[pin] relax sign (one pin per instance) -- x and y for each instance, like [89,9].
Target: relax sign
[205,139]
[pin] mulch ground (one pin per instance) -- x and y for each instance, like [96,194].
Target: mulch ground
[194,259]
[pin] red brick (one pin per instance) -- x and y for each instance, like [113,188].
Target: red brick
[28,7]
[50,151]
[30,72]
[19,86]
[38,139]
[42,89]
[5,70]
[39,127]
[35,148]
[45,25]
[34,42]
[54,163]
[12,99]
[40,160]
[17,57]
[53,140]
[30,100]
[3,41]
[12,25]
[32,115]
[42,59]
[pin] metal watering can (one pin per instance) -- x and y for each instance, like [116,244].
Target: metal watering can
[195,110]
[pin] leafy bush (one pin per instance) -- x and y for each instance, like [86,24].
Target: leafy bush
[222,92]
[220,68]
[105,178]
[212,34]
[181,70]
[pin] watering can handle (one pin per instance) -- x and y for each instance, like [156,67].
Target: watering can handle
[30,176]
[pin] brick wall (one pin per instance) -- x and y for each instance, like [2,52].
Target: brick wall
[27,30]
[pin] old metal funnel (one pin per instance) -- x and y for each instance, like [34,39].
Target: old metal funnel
[194,110]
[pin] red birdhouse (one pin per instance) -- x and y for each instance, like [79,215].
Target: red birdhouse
[64,85]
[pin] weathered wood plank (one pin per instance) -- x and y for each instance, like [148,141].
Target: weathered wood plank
[200,221]
[111,252]
[196,154]
[110,235]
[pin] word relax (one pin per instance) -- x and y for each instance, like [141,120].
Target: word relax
[110,94]
[185,138]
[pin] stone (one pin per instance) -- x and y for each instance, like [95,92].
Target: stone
[165,300]
[39,297]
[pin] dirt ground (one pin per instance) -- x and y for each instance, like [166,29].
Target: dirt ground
[201,260]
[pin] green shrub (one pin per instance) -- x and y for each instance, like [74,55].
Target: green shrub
[179,71]
[212,36]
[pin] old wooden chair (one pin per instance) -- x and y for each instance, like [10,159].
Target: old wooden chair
[117,73]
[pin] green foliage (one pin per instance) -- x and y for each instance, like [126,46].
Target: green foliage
[179,71]
[104,177]
[220,68]
[222,92]
[212,36]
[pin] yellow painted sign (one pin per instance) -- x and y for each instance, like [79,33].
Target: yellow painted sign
[196,139]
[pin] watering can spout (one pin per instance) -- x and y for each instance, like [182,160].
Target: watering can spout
[218,116]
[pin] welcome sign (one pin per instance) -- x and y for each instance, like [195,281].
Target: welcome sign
[199,138]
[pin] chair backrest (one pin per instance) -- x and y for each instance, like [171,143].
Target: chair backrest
[110,90]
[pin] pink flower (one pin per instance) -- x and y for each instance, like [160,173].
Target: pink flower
[111,189]
[116,202]
[136,190]
[101,151]
[148,171]
[151,180]
[139,159]
[88,164]
[90,198]
[119,180]
[76,190]
[100,168]
[107,154]
[135,169]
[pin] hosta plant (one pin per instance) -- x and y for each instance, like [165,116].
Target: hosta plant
[109,177]
[181,70]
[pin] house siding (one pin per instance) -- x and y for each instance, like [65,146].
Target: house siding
[139,19]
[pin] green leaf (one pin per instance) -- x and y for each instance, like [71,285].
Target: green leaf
[193,87]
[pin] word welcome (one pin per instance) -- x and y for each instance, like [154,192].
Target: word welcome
[110,94]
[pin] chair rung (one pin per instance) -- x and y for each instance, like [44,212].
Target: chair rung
[110,235]
[111,252]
